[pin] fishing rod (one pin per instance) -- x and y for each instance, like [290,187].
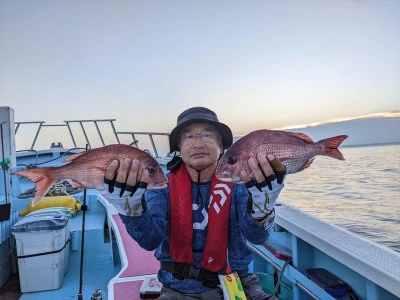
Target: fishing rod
[83,209]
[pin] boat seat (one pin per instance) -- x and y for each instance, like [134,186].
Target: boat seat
[136,264]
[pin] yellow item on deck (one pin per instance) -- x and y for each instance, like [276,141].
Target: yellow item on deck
[232,287]
[56,201]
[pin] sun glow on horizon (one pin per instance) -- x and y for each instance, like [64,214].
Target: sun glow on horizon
[393,114]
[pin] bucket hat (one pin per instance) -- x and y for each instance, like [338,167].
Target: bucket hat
[199,115]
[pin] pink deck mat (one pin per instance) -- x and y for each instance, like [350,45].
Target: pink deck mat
[127,290]
[140,261]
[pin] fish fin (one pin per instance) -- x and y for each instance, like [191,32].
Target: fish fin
[42,179]
[331,146]
[73,156]
[302,136]
[307,164]
[75,184]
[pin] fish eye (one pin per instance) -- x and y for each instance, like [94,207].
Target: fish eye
[152,170]
[232,160]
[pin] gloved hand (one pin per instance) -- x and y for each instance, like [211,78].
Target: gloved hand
[126,192]
[266,185]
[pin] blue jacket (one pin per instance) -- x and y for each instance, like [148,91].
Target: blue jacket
[151,231]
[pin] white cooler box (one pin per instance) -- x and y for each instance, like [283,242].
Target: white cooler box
[42,249]
[56,211]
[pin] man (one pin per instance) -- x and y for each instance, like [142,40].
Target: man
[199,225]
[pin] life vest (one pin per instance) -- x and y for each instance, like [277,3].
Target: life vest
[181,221]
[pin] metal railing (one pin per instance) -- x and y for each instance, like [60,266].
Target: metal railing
[68,124]
[277,267]
[95,122]
[18,124]
[149,134]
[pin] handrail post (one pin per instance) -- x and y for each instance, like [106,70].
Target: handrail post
[115,132]
[16,128]
[70,132]
[135,141]
[153,144]
[98,130]
[36,136]
[84,133]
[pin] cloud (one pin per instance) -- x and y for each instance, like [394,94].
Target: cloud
[392,114]
[380,128]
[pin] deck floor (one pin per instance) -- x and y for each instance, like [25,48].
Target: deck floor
[70,288]
[11,289]
[98,266]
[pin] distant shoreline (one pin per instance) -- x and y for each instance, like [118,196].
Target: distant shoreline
[370,145]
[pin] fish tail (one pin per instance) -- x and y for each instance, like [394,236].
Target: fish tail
[331,146]
[42,179]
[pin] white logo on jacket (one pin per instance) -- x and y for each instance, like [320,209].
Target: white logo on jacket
[203,224]
[221,190]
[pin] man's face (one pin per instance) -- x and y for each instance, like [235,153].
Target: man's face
[200,145]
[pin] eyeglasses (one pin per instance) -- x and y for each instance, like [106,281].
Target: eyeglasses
[207,137]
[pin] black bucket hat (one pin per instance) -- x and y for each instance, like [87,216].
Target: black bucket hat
[199,115]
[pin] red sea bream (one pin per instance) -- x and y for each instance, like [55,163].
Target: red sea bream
[87,169]
[296,151]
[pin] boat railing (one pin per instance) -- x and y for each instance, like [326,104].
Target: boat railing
[40,123]
[96,123]
[344,253]
[291,273]
[83,125]
[149,134]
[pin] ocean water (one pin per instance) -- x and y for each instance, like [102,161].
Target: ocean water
[360,194]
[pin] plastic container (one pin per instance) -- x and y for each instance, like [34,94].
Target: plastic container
[59,214]
[42,249]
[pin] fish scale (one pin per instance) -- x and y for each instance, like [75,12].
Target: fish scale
[294,157]
[296,151]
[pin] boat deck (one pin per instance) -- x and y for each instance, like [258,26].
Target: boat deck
[312,243]
[98,268]
[371,270]
[379,264]
[137,264]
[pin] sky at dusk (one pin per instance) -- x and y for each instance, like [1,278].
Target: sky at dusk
[258,64]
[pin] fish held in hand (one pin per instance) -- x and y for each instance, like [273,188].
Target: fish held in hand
[87,169]
[295,150]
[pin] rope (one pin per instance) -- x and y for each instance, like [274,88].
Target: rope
[60,188]
[65,153]
[276,292]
